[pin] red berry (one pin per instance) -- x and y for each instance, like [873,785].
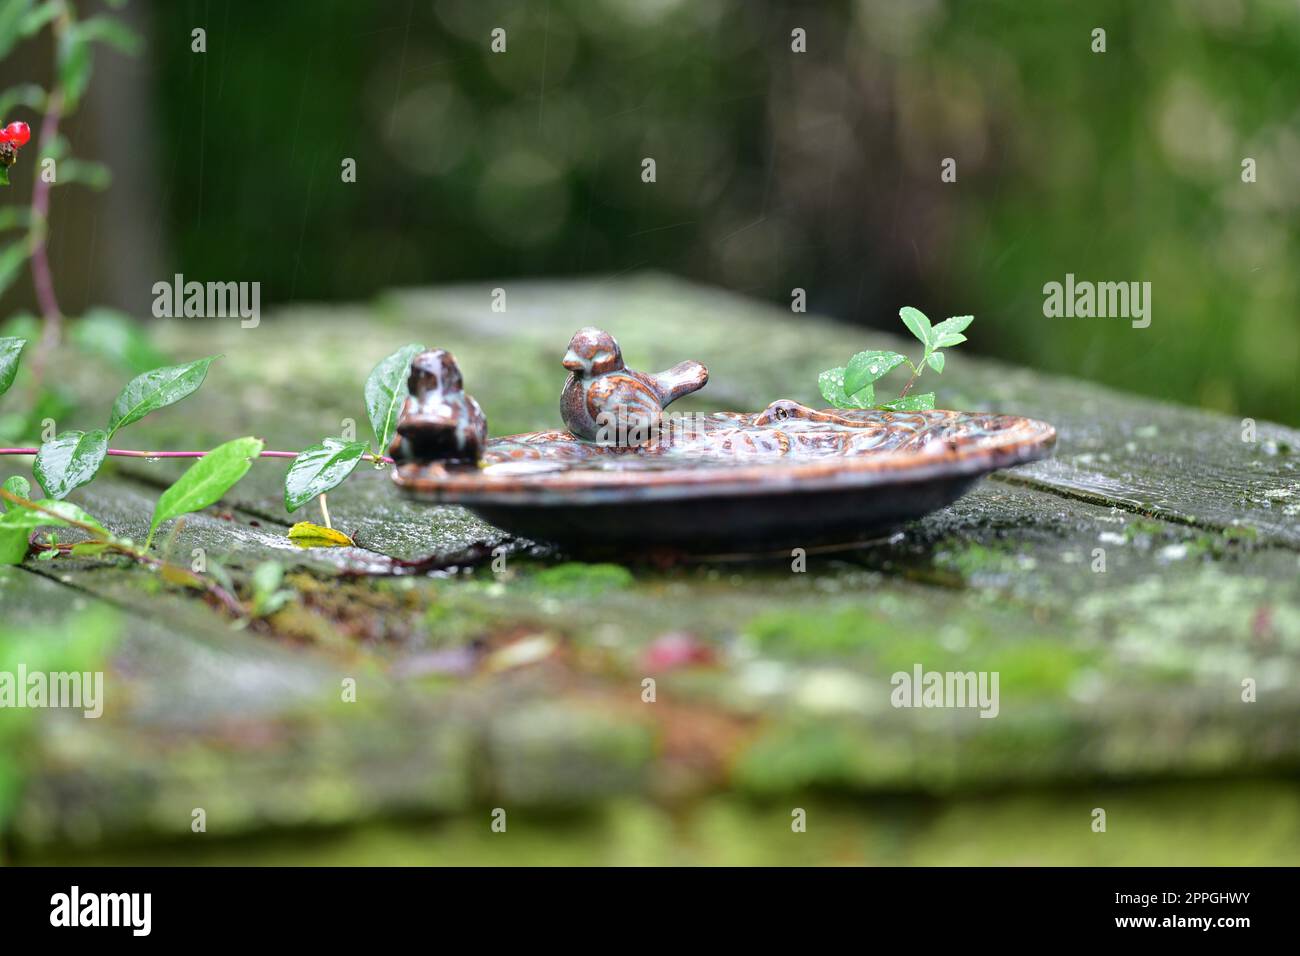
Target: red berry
[18,133]
[4,136]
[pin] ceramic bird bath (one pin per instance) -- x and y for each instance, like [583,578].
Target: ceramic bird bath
[627,477]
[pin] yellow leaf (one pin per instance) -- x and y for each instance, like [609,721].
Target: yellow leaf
[307,535]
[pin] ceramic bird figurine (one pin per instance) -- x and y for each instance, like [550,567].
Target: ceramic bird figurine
[606,402]
[439,422]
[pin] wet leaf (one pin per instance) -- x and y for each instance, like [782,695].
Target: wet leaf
[16,485]
[69,460]
[385,390]
[307,535]
[17,524]
[50,514]
[866,367]
[952,326]
[10,350]
[936,361]
[157,389]
[831,383]
[320,468]
[205,481]
[917,324]
[912,403]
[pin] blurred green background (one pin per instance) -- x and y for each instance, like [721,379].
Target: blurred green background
[775,169]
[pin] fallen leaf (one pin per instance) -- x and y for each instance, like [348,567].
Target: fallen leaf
[307,535]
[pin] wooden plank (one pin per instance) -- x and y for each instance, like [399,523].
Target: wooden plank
[535,674]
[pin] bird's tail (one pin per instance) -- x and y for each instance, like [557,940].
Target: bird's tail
[682,379]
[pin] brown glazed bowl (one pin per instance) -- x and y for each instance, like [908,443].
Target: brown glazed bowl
[787,477]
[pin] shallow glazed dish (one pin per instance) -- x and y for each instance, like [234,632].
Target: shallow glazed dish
[789,476]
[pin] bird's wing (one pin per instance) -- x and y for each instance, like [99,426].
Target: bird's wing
[630,402]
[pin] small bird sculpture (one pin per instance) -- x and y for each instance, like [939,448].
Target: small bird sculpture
[606,402]
[438,422]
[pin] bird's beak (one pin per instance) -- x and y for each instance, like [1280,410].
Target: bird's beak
[572,362]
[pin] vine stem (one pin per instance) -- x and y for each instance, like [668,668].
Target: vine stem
[916,371]
[42,277]
[132,453]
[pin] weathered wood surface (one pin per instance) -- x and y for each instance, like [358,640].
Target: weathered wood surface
[523,689]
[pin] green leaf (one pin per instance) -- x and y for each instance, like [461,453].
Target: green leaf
[12,258]
[936,361]
[37,17]
[12,13]
[56,148]
[267,596]
[831,383]
[916,323]
[320,468]
[385,390]
[4,175]
[74,61]
[108,30]
[10,350]
[157,389]
[116,336]
[949,340]
[17,524]
[205,481]
[28,94]
[954,325]
[866,367]
[69,460]
[912,403]
[267,577]
[16,485]
[89,173]
[15,217]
